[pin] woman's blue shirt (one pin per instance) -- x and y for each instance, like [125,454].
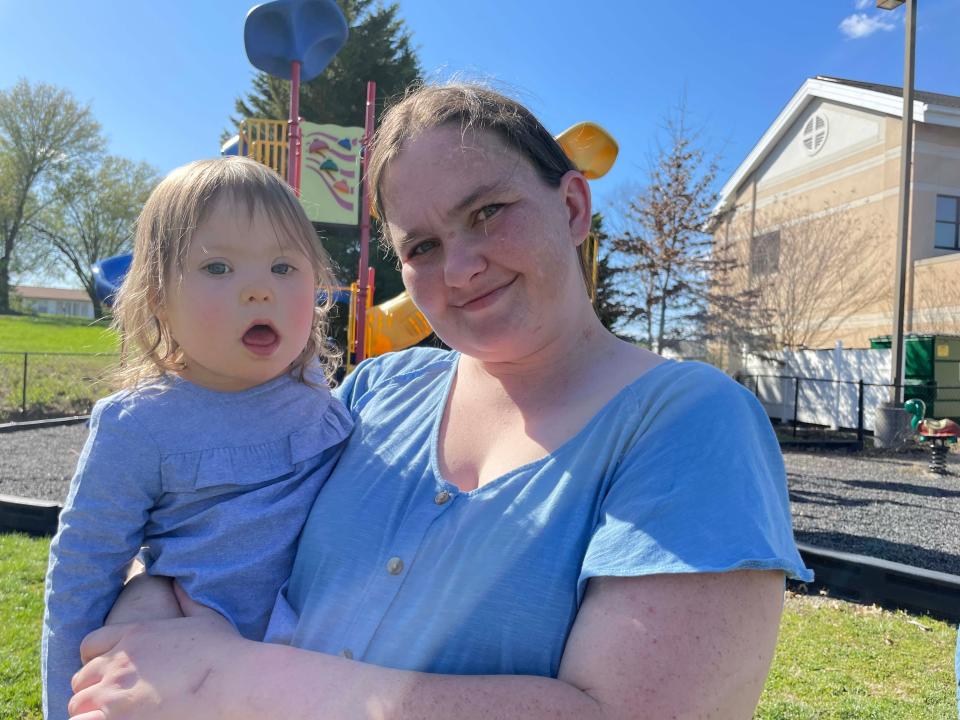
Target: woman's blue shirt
[680,472]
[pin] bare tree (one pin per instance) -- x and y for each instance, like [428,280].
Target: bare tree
[814,270]
[91,217]
[665,258]
[44,134]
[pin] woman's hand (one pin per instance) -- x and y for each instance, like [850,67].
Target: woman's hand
[165,669]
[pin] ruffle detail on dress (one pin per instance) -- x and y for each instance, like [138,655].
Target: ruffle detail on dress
[257,463]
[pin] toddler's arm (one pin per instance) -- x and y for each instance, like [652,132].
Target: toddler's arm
[101,528]
[144,598]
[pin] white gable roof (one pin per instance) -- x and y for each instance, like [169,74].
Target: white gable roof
[931,108]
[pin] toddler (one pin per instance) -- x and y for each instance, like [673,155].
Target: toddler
[209,458]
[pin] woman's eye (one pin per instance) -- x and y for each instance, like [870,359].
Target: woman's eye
[282,268]
[421,248]
[216,268]
[488,211]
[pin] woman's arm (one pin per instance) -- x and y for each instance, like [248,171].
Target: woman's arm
[664,646]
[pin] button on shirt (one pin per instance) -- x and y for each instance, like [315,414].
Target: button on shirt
[408,571]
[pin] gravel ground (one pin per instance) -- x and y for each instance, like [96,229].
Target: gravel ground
[881,504]
[39,463]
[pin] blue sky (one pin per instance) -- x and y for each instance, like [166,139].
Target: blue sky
[161,77]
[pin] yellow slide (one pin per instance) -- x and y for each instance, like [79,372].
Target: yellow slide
[398,324]
[394,325]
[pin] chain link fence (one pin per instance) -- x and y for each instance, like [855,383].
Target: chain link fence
[38,385]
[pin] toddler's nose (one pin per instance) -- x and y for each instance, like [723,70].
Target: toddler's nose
[256,294]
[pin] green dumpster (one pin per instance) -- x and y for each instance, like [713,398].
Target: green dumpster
[931,371]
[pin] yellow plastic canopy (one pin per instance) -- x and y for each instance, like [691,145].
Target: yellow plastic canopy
[591,148]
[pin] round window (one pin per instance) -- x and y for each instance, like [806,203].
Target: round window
[814,133]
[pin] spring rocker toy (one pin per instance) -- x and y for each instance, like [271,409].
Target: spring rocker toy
[940,433]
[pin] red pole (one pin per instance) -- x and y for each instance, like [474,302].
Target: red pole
[293,131]
[370,120]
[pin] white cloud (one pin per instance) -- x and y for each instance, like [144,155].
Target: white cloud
[863,4]
[861,25]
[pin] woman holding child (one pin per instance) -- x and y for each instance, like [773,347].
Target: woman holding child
[545,521]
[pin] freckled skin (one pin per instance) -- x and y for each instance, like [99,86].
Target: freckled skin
[516,233]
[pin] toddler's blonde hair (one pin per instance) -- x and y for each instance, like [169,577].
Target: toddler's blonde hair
[175,209]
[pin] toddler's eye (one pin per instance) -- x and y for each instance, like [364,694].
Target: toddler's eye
[282,268]
[216,268]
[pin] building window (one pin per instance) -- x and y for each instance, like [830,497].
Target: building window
[948,223]
[814,133]
[765,254]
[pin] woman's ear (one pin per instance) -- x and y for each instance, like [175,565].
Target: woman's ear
[575,191]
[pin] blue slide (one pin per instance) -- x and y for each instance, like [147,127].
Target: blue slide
[108,274]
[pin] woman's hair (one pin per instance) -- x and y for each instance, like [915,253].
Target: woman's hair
[164,231]
[471,107]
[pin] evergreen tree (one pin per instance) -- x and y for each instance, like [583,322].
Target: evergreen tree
[608,298]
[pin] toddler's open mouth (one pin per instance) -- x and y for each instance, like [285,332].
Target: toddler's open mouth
[261,339]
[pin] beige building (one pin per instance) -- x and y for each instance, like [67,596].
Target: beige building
[56,301]
[811,216]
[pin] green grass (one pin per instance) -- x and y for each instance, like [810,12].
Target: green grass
[835,660]
[50,333]
[23,562]
[67,358]
[843,661]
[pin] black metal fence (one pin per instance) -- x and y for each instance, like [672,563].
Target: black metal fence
[36,385]
[877,392]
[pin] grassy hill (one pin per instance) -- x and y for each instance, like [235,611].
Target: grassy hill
[50,333]
[65,358]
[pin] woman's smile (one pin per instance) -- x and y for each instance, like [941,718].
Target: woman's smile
[485,298]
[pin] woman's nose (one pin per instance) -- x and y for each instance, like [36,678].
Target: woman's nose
[462,260]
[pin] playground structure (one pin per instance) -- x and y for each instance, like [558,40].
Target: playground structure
[296,40]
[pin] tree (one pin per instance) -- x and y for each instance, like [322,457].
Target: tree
[667,258]
[378,48]
[607,295]
[814,270]
[44,134]
[91,217]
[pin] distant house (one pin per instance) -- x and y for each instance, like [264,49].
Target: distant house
[825,175]
[55,301]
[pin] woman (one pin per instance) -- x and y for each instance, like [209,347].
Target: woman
[544,522]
